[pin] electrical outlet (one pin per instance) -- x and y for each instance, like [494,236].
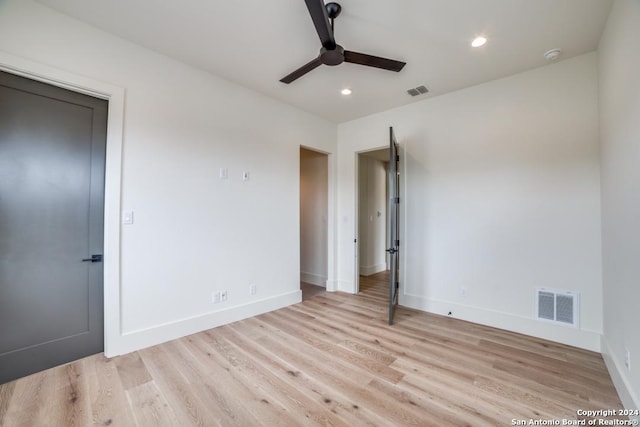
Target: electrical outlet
[627,360]
[253,289]
[223,296]
[215,297]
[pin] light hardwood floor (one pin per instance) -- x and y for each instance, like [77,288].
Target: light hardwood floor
[331,360]
[310,291]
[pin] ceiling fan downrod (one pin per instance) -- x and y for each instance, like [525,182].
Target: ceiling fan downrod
[333,11]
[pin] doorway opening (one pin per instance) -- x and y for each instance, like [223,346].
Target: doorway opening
[314,209]
[372,210]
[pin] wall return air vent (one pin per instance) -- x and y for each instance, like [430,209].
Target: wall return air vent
[561,307]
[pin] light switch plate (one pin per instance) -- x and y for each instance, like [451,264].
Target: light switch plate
[127,217]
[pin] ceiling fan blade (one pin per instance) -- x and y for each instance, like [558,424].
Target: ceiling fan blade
[373,61]
[311,65]
[320,20]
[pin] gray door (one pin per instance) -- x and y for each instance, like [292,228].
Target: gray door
[52,159]
[394,224]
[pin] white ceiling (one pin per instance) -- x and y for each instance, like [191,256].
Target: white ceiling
[254,43]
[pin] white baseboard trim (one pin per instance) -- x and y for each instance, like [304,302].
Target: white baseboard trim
[136,340]
[345,286]
[314,279]
[619,377]
[372,269]
[332,285]
[581,338]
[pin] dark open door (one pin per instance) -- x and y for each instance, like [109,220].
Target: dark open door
[394,222]
[52,163]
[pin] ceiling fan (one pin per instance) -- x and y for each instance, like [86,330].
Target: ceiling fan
[330,52]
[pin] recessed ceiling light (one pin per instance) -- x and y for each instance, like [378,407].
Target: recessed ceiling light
[346,91]
[478,41]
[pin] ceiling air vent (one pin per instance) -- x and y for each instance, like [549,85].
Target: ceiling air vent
[557,306]
[418,90]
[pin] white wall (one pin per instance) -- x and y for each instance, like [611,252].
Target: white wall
[502,196]
[194,233]
[619,70]
[372,220]
[313,217]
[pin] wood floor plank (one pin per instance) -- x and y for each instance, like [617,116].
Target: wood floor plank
[470,397]
[331,360]
[264,407]
[327,365]
[524,404]
[560,383]
[407,408]
[175,388]
[73,400]
[594,378]
[275,393]
[344,385]
[434,360]
[341,336]
[132,370]
[149,406]
[302,388]
[6,392]
[58,393]
[30,396]
[381,338]
[330,346]
[108,401]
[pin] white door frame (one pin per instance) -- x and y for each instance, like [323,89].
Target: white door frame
[113,177]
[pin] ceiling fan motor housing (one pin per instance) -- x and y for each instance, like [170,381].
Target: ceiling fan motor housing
[333,56]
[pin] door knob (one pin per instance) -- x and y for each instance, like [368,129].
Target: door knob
[94,258]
